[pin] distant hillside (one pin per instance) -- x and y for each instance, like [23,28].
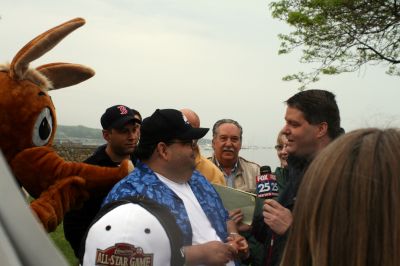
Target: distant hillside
[78,132]
[92,136]
[79,135]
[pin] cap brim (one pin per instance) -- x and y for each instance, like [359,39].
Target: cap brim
[193,133]
[125,120]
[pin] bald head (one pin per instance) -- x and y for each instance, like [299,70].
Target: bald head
[192,117]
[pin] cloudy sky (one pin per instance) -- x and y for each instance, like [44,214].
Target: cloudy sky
[217,57]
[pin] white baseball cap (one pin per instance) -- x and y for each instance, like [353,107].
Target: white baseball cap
[133,231]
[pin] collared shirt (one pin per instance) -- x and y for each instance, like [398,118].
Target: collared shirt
[229,178]
[243,174]
[202,230]
[143,181]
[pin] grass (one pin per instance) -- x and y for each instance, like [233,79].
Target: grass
[59,240]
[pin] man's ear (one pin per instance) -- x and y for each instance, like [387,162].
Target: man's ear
[106,135]
[322,129]
[162,150]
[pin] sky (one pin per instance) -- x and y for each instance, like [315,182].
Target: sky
[217,57]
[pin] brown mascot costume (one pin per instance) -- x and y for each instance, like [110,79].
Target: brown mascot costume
[27,128]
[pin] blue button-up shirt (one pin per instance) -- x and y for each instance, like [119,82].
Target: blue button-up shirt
[143,181]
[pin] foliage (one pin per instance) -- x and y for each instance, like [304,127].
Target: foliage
[340,35]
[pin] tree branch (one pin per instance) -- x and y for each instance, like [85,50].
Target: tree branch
[393,61]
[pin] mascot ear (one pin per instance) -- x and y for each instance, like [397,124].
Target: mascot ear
[64,74]
[41,45]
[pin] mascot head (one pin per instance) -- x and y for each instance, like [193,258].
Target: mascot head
[27,114]
[27,127]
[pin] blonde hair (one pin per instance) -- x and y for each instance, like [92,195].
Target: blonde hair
[348,205]
[279,139]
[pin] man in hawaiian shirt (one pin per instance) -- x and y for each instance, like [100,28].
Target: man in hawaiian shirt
[165,173]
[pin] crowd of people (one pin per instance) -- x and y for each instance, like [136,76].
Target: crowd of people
[336,203]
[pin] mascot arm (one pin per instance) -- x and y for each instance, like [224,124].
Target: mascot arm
[40,167]
[58,199]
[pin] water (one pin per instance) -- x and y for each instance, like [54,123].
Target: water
[260,155]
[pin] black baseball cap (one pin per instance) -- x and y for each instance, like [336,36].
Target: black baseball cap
[117,116]
[167,124]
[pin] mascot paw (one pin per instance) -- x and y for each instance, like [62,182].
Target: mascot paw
[126,167]
[45,213]
[53,204]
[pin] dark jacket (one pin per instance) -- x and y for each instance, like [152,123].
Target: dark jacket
[274,244]
[76,222]
[281,178]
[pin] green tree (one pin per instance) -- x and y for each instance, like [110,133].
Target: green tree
[340,35]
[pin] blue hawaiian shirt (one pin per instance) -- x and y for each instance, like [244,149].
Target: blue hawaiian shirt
[143,181]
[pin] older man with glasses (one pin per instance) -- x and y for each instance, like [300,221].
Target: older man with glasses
[227,141]
[165,173]
[239,173]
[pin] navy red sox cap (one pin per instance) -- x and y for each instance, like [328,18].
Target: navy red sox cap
[117,116]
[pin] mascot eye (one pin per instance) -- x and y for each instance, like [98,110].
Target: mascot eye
[43,128]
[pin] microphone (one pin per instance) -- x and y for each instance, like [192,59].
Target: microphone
[266,185]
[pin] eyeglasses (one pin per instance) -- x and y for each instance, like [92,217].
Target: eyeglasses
[190,142]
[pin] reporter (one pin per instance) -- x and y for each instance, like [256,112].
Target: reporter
[347,210]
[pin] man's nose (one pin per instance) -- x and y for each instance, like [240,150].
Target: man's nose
[228,142]
[132,134]
[285,130]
